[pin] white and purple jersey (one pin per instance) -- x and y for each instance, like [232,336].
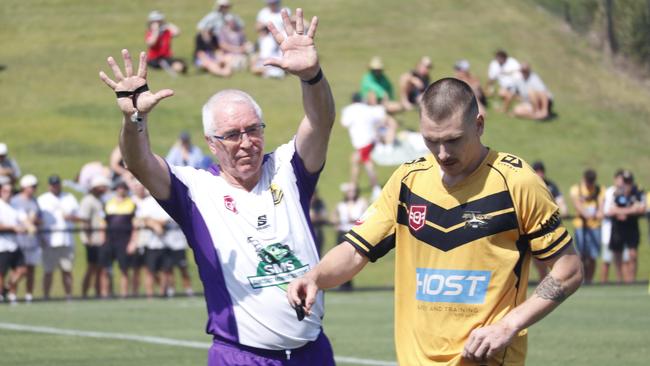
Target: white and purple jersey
[248,246]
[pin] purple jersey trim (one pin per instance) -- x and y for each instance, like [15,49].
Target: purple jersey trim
[215,170]
[306,183]
[221,317]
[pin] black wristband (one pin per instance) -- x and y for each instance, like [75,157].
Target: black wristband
[315,79]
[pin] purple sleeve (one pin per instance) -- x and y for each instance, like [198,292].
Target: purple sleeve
[305,180]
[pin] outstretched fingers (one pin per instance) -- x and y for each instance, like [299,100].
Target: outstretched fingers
[279,37]
[162,94]
[300,24]
[312,27]
[116,69]
[142,65]
[288,28]
[128,64]
[111,84]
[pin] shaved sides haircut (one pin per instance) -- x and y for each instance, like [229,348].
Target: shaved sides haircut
[444,98]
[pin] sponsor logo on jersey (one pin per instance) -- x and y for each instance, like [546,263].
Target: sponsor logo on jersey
[451,286]
[229,203]
[276,193]
[277,267]
[417,216]
[262,222]
[512,160]
[475,220]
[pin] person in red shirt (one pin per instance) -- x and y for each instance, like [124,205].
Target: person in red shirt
[159,44]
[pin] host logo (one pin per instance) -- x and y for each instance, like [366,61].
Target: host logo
[454,286]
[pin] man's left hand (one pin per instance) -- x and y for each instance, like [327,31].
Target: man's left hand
[299,56]
[485,342]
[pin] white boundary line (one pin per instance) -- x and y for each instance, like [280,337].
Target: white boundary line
[156,340]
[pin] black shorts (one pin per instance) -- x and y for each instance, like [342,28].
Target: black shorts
[138,258]
[11,260]
[175,258]
[110,252]
[92,254]
[624,238]
[154,259]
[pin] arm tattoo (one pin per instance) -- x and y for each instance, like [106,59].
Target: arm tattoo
[550,289]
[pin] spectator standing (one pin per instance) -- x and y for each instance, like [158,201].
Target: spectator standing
[606,254]
[629,205]
[59,211]
[119,211]
[184,153]
[152,217]
[10,255]
[348,213]
[93,235]
[29,241]
[158,38]
[175,257]
[363,122]
[588,198]
[504,71]
[8,166]
[536,99]
[413,83]
[461,72]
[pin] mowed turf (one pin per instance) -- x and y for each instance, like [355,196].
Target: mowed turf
[599,325]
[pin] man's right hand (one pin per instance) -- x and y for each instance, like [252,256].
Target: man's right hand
[303,288]
[145,101]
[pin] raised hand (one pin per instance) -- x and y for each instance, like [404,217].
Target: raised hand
[146,100]
[299,56]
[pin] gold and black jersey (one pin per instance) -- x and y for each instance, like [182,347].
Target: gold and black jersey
[462,253]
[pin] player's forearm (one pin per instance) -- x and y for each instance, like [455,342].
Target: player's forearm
[338,266]
[318,101]
[563,280]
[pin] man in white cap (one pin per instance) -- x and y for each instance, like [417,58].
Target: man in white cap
[59,211]
[91,215]
[246,219]
[8,166]
[30,217]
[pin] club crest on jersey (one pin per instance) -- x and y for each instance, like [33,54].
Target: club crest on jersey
[276,193]
[229,203]
[417,216]
[475,220]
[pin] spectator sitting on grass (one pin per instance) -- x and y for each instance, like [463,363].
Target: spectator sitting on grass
[413,83]
[536,99]
[461,72]
[505,71]
[214,20]
[207,55]
[376,81]
[267,49]
[159,44]
[233,44]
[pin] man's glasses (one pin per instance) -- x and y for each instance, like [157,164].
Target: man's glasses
[253,132]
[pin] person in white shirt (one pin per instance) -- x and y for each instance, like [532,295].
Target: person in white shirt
[272,12]
[10,255]
[363,122]
[504,71]
[246,219]
[59,211]
[348,212]
[536,99]
[267,49]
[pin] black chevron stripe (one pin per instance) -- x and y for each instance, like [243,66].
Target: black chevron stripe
[461,236]
[449,217]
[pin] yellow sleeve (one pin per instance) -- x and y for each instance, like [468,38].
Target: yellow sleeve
[374,234]
[539,217]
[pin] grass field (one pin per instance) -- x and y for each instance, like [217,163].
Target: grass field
[599,325]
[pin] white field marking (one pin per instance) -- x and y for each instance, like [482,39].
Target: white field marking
[157,340]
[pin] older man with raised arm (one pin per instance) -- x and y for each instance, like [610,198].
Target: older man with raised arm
[464,221]
[246,218]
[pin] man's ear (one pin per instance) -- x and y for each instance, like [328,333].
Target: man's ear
[211,145]
[480,124]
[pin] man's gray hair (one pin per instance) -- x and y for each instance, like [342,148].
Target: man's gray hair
[227,96]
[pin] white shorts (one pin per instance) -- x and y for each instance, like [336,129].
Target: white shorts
[32,256]
[62,257]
